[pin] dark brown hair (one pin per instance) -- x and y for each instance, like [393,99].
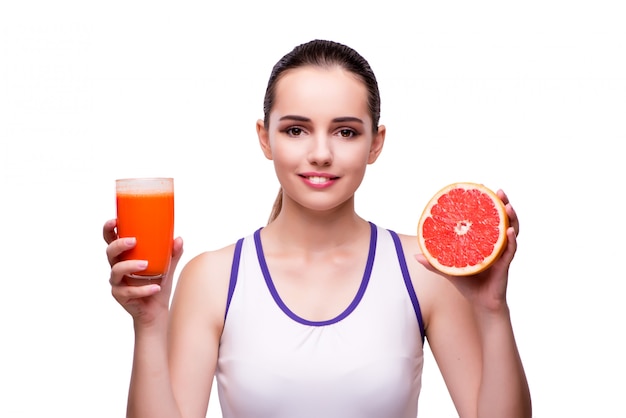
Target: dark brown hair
[322,53]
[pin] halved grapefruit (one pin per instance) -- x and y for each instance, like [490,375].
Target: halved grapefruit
[462,230]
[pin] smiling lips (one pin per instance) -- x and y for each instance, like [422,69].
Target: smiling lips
[318,180]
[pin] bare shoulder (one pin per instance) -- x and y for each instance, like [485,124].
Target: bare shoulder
[202,286]
[207,266]
[419,274]
[433,290]
[409,244]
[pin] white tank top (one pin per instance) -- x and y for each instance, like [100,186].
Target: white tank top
[366,362]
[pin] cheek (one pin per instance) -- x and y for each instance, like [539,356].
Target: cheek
[281,154]
[356,156]
[284,157]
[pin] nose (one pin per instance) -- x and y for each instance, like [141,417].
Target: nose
[321,153]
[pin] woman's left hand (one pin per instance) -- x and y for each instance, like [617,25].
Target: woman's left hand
[487,289]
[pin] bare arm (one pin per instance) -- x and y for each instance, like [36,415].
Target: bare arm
[478,357]
[504,389]
[469,329]
[196,323]
[175,350]
[150,392]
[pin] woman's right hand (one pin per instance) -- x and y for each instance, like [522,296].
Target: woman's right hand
[145,302]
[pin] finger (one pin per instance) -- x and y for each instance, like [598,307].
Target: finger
[177,249]
[421,259]
[117,247]
[511,245]
[513,219]
[124,268]
[108,231]
[424,262]
[124,293]
[503,197]
[177,252]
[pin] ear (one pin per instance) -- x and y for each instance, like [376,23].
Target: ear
[377,144]
[264,139]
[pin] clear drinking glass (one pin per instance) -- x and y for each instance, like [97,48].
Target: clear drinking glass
[145,210]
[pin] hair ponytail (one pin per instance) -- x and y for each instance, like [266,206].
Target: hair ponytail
[278,205]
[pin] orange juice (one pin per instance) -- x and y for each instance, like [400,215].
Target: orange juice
[145,210]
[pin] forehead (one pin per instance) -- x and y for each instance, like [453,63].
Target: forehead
[329,91]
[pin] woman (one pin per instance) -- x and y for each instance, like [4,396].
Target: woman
[320,313]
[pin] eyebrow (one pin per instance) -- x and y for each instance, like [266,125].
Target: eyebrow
[335,120]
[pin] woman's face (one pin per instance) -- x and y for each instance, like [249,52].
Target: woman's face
[320,136]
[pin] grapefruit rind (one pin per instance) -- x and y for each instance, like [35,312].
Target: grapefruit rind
[498,246]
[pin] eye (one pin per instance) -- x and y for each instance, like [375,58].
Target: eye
[347,133]
[294,131]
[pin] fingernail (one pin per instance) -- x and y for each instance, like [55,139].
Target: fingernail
[142,264]
[130,241]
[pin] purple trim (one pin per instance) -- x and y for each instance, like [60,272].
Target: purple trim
[364,281]
[408,283]
[234,271]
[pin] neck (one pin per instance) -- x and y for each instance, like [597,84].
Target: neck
[310,230]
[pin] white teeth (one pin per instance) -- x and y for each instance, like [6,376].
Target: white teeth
[318,180]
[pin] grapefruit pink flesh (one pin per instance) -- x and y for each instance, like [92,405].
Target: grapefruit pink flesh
[463,229]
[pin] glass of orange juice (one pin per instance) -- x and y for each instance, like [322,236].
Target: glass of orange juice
[145,210]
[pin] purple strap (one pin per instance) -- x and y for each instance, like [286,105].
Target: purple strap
[408,283]
[234,271]
[364,281]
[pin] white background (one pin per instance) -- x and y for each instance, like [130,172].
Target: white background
[525,96]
